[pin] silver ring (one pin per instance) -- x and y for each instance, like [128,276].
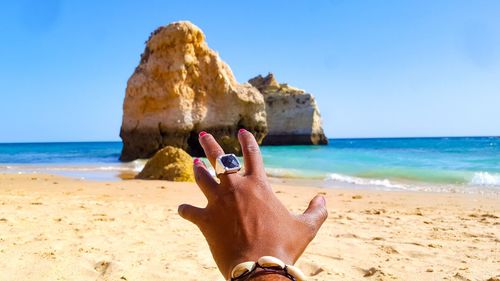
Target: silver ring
[227,164]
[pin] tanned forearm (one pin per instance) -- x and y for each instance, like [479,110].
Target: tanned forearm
[269,277]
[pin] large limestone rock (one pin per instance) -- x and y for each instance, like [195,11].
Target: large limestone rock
[180,88]
[292,114]
[169,163]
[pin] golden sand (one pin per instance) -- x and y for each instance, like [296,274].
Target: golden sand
[54,228]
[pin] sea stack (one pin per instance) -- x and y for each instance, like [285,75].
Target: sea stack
[182,87]
[292,114]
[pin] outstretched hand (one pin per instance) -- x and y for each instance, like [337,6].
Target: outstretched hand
[244,219]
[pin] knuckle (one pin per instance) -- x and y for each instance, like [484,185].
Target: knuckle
[259,182]
[197,176]
[214,152]
[252,148]
[230,181]
[323,213]
[311,228]
[198,170]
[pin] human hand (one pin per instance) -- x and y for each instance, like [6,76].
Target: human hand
[243,219]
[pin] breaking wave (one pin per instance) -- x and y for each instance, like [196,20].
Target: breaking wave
[99,171]
[361,181]
[485,179]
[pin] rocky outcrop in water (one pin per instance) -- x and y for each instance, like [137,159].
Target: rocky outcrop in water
[180,88]
[169,163]
[292,114]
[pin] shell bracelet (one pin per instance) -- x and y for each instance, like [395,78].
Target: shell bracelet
[268,264]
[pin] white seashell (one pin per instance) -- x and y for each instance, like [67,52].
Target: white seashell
[296,272]
[268,261]
[242,268]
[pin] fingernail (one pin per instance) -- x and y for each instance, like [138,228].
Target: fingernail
[202,133]
[323,201]
[241,131]
[196,160]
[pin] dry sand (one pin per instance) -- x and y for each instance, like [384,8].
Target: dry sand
[54,228]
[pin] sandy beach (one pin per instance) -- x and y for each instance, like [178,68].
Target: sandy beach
[55,228]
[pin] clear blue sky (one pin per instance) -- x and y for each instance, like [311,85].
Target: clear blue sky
[377,68]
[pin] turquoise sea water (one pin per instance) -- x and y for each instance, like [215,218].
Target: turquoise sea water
[440,164]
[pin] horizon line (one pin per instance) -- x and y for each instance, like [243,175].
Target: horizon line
[339,138]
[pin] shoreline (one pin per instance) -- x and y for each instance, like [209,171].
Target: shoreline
[126,171]
[61,228]
[460,165]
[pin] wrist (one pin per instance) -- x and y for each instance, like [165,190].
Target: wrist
[269,277]
[255,254]
[266,266]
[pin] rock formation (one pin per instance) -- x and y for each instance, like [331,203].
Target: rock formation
[180,88]
[169,163]
[292,114]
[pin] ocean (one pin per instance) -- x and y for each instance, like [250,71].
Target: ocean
[454,164]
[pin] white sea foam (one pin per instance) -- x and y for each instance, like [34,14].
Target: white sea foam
[281,173]
[76,169]
[486,179]
[291,173]
[361,181]
[99,172]
[139,164]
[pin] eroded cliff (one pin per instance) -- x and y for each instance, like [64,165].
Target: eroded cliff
[182,87]
[292,114]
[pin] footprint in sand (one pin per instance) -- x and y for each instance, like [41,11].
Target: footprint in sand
[311,269]
[460,277]
[372,272]
[374,211]
[389,249]
[102,267]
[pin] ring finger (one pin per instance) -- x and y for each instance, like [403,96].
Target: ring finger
[212,150]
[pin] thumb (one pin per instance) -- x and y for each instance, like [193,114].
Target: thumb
[316,213]
[191,213]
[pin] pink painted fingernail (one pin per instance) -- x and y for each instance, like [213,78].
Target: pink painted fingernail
[202,133]
[196,160]
[241,131]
